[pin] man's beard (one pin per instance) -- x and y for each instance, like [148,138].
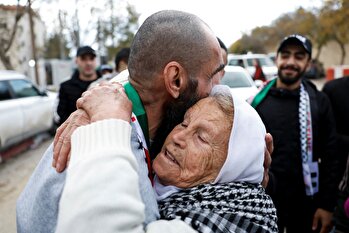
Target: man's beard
[87,74]
[174,115]
[290,80]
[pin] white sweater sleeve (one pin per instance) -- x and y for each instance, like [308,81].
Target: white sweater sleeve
[101,193]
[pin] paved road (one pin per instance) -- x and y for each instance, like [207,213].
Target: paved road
[14,174]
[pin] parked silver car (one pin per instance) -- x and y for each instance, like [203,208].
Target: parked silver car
[24,109]
[239,81]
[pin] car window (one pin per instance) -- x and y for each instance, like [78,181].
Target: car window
[23,88]
[233,62]
[266,61]
[236,62]
[4,91]
[263,61]
[235,79]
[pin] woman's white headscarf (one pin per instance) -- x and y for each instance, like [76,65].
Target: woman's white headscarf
[245,157]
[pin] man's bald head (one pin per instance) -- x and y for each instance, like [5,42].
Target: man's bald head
[169,36]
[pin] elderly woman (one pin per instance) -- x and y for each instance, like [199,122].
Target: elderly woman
[208,173]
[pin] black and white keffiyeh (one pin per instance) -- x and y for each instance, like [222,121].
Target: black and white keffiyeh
[229,207]
[310,168]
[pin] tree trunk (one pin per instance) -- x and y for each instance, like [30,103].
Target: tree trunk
[319,48]
[343,53]
[5,60]
[76,26]
[61,38]
[5,47]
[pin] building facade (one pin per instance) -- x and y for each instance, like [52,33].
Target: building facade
[20,52]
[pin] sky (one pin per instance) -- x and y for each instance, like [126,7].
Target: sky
[229,19]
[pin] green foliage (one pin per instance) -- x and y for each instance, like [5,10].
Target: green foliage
[126,32]
[236,47]
[114,23]
[248,44]
[117,31]
[56,47]
[334,16]
[320,25]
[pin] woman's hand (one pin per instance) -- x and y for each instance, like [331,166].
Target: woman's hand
[106,101]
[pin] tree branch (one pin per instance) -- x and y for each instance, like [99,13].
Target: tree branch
[18,17]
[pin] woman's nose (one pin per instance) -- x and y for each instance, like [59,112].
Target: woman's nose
[179,138]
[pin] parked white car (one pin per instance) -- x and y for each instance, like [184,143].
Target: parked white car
[272,56]
[24,109]
[246,60]
[239,81]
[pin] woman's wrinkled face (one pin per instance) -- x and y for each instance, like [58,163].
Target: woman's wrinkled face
[195,150]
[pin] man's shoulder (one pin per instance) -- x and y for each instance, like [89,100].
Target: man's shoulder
[314,92]
[336,83]
[69,80]
[310,84]
[66,83]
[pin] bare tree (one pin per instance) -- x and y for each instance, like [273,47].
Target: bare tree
[75,33]
[6,42]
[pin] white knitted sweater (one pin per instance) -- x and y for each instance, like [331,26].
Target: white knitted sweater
[101,193]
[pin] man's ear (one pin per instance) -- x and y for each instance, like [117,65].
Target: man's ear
[174,77]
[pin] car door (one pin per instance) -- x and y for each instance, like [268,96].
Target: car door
[36,107]
[11,117]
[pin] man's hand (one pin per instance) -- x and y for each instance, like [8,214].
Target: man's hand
[323,217]
[267,158]
[106,101]
[61,143]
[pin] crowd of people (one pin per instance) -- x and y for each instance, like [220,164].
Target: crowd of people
[172,151]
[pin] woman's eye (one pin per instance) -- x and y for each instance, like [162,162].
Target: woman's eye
[202,139]
[184,125]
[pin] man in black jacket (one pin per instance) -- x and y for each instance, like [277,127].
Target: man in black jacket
[71,90]
[301,121]
[338,92]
